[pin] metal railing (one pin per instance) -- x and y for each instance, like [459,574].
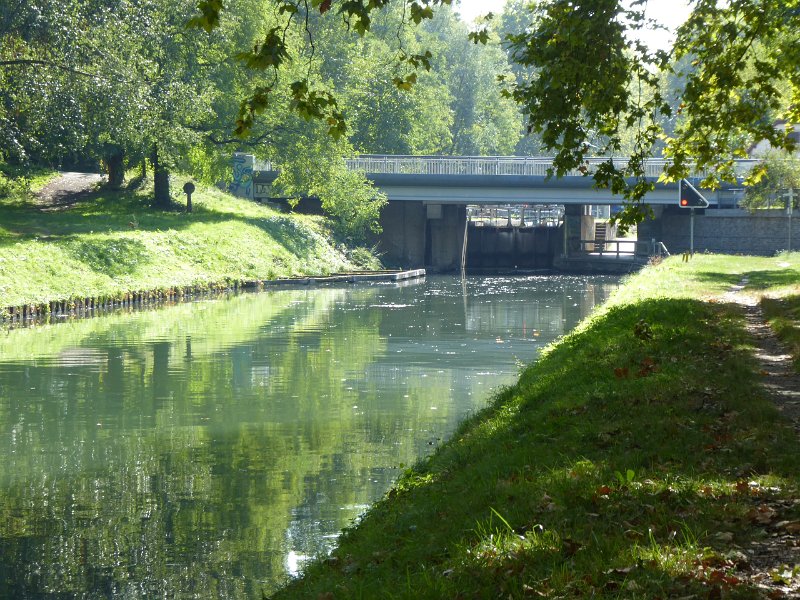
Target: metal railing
[484,165]
[540,215]
[621,248]
[493,165]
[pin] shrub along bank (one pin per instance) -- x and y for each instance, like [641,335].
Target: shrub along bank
[112,243]
[639,458]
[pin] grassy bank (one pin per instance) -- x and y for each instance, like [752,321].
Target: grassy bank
[639,458]
[783,315]
[113,243]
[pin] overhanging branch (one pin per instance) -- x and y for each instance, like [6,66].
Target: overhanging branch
[45,63]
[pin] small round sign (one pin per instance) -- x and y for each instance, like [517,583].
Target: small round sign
[188,187]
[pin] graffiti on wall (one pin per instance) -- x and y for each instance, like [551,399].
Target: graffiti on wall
[242,184]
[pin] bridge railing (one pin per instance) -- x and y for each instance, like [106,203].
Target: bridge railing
[621,248]
[483,165]
[492,165]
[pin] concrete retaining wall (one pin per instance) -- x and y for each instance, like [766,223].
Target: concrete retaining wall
[729,231]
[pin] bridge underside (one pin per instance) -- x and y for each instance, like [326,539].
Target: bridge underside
[416,234]
[504,189]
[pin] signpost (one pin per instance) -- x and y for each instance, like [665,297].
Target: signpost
[689,197]
[789,209]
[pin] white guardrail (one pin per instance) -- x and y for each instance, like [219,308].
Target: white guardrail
[482,165]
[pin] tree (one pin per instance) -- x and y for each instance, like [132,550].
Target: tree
[780,173]
[586,87]
[589,84]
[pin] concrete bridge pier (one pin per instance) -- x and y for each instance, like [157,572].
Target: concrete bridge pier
[578,225]
[416,234]
[652,229]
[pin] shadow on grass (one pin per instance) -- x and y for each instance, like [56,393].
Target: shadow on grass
[756,280]
[761,280]
[112,257]
[110,212]
[618,466]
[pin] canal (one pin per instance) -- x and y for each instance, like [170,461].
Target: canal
[209,448]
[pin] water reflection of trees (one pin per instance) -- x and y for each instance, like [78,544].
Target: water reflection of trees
[186,452]
[173,466]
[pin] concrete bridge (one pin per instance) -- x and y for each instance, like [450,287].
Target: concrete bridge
[425,223]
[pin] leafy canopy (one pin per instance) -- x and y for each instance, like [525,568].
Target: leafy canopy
[588,89]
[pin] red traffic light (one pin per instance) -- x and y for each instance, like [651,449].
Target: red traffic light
[689,197]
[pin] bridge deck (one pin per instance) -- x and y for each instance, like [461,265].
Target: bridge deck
[493,180]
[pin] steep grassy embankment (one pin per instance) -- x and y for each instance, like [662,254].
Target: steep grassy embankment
[112,243]
[639,458]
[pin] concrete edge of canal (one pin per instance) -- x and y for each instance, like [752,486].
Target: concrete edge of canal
[79,307]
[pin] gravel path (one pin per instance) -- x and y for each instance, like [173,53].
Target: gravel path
[770,563]
[66,190]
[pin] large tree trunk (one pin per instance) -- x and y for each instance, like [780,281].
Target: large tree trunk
[161,181]
[115,163]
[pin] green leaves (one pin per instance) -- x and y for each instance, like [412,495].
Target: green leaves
[208,19]
[405,83]
[420,12]
[479,37]
[271,53]
[744,62]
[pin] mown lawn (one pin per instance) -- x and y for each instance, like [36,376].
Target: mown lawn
[111,243]
[639,458]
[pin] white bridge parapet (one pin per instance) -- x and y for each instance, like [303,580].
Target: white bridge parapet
[536,166]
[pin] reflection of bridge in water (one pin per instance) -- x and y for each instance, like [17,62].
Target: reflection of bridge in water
[427,220]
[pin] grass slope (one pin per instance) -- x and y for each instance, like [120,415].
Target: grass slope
[113,242]
[639,458]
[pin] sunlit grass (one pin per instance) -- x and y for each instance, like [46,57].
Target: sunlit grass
[114,242]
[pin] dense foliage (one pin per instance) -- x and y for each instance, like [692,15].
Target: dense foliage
[85,80]
[88,81]
[781,173]
[587,88]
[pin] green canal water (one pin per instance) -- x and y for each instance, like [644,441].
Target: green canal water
[205,450]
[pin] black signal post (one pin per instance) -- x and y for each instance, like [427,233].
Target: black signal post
[689,197]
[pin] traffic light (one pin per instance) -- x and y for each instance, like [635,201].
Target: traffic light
[689,197]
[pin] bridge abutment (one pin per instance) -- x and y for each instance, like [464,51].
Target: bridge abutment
[445,236]
[416,235]
[402,241]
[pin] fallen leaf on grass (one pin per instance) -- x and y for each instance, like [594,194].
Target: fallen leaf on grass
[722,577]
[621,372]
[632,586]
[763,514]
[603,490]
[791,526]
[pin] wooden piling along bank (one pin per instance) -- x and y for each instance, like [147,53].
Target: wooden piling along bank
[87,307]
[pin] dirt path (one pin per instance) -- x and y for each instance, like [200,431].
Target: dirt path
[770,563]
[775,363]
[66,190]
